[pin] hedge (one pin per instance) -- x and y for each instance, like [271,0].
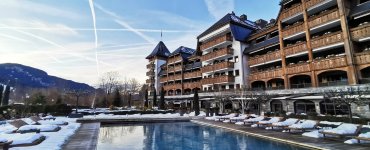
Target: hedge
[18,111]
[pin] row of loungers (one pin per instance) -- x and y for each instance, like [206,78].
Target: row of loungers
[342,130]
[13,133]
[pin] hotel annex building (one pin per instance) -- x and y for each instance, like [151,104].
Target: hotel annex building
[312,46]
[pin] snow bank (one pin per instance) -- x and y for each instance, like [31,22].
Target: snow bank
[331,123]
[313,134]
[201,114]
[226,121]
[7,128]
[239,123]
[2,140]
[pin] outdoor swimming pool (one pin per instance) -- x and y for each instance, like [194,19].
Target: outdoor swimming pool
[180,136]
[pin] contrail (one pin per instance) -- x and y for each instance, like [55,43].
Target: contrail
[91,4]
[14,38]
[120,21]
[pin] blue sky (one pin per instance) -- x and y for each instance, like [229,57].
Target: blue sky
[58,35]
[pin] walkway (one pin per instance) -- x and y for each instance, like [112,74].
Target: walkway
[290,138]
[86,138]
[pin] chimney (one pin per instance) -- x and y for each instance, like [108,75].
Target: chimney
[272,21]
[243,17]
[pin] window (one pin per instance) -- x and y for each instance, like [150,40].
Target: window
[237,86]
[236,72]
[236,59]
[231,86]
[230,73]
[230,59]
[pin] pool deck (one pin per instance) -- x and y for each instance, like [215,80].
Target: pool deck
[290,138]
[86,138]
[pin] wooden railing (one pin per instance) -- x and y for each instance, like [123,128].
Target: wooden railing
[219,79]
[218,53]
[298,68]
[174,59]
[150,66]
[149,81]
[323,18]
[329,63]
[172,86]
[362,58]
[174,77]
[296,48]
[163,79]
[178,67]
[360,32]
[216,41]
[192,74]
[269,74]
[310,3]
[264,58]
[291,30]
[218,66]
[327,39]
[291,11]
[192,85]
[150,73]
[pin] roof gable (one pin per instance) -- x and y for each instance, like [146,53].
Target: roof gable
[160,50]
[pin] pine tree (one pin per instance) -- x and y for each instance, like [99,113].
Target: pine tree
[59,100]
[6,96]
[39,99]
[161,100]
[196,103]
[146,99]
[155,98]
[1,94]
[117,98]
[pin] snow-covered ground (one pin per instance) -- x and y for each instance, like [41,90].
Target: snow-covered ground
[53,140]
[136,116]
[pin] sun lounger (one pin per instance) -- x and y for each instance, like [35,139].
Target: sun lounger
[238,118]
[285,123]
[27,139]
[38,120]
[5,144]
[23,127]
[254,120]
[303,126]
[343,130]
[221,118]
[268,122]
[363,136]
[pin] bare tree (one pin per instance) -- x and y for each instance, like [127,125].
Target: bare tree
[109,81]
[259,98]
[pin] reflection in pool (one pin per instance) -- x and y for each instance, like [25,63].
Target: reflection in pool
[180,136]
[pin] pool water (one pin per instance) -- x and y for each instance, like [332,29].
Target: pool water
[180,136]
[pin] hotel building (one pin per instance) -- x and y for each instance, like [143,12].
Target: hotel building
[312,46]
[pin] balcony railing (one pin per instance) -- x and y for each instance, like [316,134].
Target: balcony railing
[174,77]
[174,69]
[172,86]
[326,40]
[192,85]
[323,18]
[295,49]
[265,58]
[310,3]
[218,66]
[291,11]
[294,29]
[148,81]
[279,87]
[163,79]
[150,73]
[219,79]
[174,59]
[192,75]
[329,63]
[298,68]
[178,68]
[361,32]
[150,66]
[362,58]
[216,41]
[218,53]
[269,74]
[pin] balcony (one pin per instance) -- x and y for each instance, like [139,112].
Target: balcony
[163,79]
[172,86]
[174,77]
[190,75]
[148,81]
[310,3]
[327,41]
[295,49]
[334,83]
[217,54]
[330,63]
[324,19]
[269,74]
[298,68]
[150,66]
[150,73]
[192,85]
[362,58]
[174,69]
[361,33]
[293,30]
[291,13]
[265,58]
[218,66]
[216,41]
[315,6]
[219,79]
[175,59]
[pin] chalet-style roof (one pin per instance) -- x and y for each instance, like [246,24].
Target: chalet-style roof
[359,10]
[185,52]
[193,66]
[160,51]
[230,18]
[263,44]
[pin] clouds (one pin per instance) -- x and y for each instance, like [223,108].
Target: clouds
[219,8]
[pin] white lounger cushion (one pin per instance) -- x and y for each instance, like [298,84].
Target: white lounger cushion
[272,120]
[7,128]
[304,125]
[365,135]
[51,122]
[17,138]
[287,122]
[345,128]
[260,118]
